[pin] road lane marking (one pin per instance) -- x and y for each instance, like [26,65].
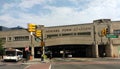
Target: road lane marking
[27,67]
[50,66]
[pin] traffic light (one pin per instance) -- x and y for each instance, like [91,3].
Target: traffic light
[38,33]
[107,31]
[103,32]
[31,27]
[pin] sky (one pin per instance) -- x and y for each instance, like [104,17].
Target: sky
[15,13]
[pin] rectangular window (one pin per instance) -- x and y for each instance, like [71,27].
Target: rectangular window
[117,32]
[67,34]
[9,38]
[10,53]
[50,31]
[52,35]
[84,33]
[3,39]
[21,38]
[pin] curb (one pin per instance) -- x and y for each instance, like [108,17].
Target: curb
[35,62]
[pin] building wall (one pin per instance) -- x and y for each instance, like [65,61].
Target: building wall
[73,34]
[116,41]
[16,38]
[69,34]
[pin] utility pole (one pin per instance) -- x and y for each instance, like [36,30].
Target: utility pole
[32,45]
[39,34]
[95,48]
[43,47]
[31,29]
[110,48]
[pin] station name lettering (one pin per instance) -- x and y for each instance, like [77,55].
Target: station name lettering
[70,29]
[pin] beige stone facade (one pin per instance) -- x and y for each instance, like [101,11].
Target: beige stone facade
[80,34]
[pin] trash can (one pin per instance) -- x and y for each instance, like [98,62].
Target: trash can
[31,58]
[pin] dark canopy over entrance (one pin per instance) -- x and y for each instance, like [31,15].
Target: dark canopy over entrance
[73,50]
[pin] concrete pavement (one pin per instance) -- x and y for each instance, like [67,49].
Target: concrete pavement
[36,61]
[37,64]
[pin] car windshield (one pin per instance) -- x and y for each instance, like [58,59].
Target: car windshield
[10,53]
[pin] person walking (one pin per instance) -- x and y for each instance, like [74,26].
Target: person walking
[50,57]
[27,52]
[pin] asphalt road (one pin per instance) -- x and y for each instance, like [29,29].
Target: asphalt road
[99,63]
[12,65]
[4,66]
[58,63]
[85,66]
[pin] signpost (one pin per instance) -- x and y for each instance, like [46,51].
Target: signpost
[111,36]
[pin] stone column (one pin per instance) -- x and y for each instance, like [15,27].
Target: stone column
[110,43]
[95,50]
[95,46]
[110,49]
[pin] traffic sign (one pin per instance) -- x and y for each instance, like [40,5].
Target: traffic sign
[111,36]
[37,39]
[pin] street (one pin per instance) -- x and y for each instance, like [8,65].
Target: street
[12,66]
[99,63]
[85,66]
[68,63]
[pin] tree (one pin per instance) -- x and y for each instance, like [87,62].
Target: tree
[1,47]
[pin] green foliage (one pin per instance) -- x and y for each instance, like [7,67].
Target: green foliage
[1,47]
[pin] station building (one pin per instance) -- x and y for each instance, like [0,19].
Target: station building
[79,40]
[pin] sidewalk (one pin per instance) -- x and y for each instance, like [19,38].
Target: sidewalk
[36,61]
[37,64]
[85,59]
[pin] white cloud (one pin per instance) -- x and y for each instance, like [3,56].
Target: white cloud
[29,3]
[61,16]
[7,20]
[105,8]
[6,7]
[96,9]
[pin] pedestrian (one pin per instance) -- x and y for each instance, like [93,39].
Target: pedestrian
[50,57]
[26,56]
[27,53]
